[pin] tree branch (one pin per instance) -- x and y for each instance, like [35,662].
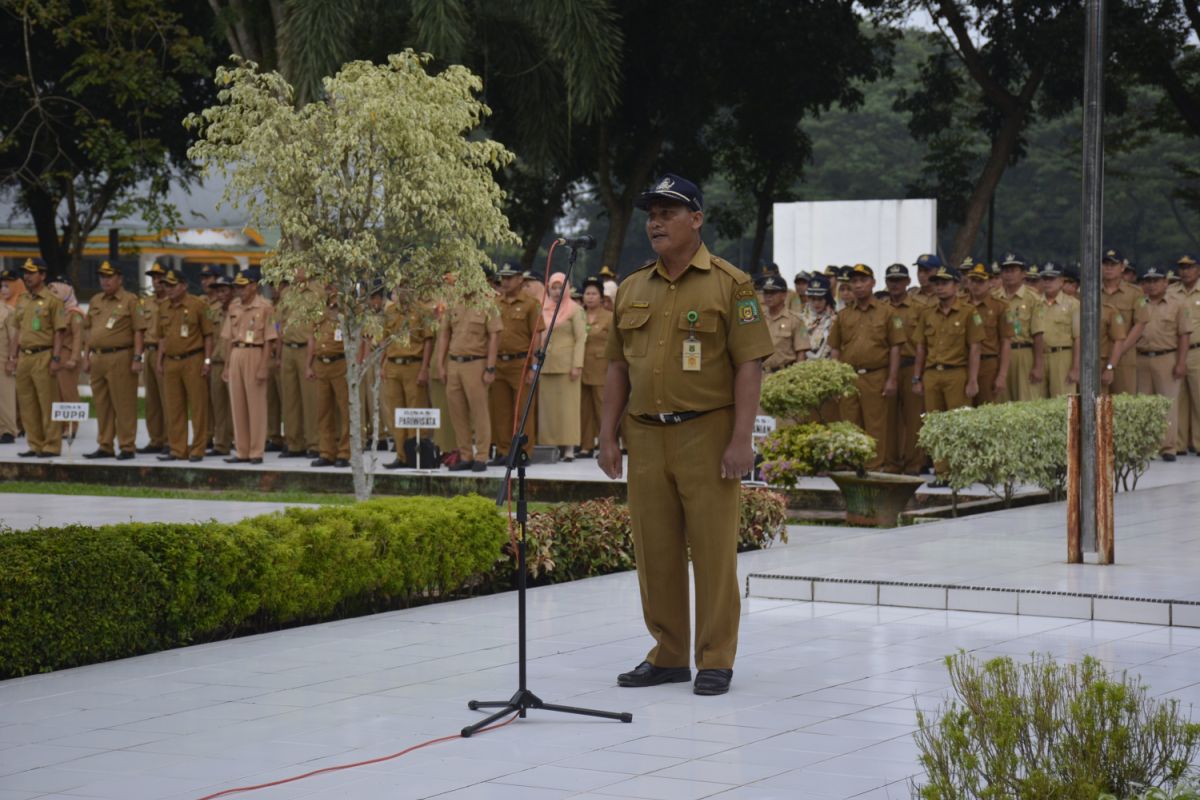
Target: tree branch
[1192,7]
[995,92]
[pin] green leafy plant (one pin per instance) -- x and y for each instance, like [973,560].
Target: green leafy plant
[801,389]
[1139,427]
[1047,731]
[798,451]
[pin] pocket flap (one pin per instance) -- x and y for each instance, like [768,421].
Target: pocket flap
[633,319]
[706,321]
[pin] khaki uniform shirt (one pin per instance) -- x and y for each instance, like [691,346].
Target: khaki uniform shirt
[216,315]
[650,326]
[252,323]
[182,327]
[909,310]
[1168,320]
[1190,298]
[790,337]
[8,328]
[468,329]
[948,335]
[921,299]
[865,337]
[113,321]
[148,307]
[407,332]
[595,363]
[38,316]
[1113,328]
[1020,312]
[1057,321]
[1129,300]
[292,329]
[522,318]
[996,325]
[327,334]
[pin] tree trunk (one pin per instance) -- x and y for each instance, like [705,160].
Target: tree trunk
[44,211]
[985,186]
[762,218]
[364,478]
[620,206]
[550,213]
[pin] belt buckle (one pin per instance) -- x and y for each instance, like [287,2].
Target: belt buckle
[861,371]
[666,419]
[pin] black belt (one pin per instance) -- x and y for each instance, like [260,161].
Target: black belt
[510,356]
[188,354]
[331,359]
[670,419]
[1153,353]
[1059,349]
[466,359]
[29,351]
[404,360]
[1020,345]
[907,361]
[106,350]
[986,356]
[245,344]
[941,367]
[295,345]
[1195,346]
[151,346]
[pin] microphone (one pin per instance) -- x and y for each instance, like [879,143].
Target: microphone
[579,243]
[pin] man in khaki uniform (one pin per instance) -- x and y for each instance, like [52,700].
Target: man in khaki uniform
[868,335]
[156,420]
[1128,301]
[922,294]
[467,360]
[299,395]
[327,370]
[683,387]
[1021,301]
[8,383]
[1188,290]
[1055,335]
[34,356]
[1163,349]
[788,332]
[185,341]
[114,335]
[405,369]
[251,339]
[902,453]
[221,294]
[995,349]
[522,318]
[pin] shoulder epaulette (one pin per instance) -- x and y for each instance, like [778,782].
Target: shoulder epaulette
[645,266]
[735,273]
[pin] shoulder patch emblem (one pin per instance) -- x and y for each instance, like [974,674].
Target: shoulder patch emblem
[747,311]
[1142,301]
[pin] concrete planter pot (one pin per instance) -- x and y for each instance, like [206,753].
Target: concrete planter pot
[877,498]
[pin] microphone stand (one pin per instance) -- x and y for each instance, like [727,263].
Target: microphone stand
[523,699]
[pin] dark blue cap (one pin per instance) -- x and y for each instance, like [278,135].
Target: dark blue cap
[1013,259]
[801,277]
[1151,273]
[59,277]
[928,261]
[818,286]
[674,188]
[173,277]
[34,265]
[945,273]
[772,283]
[896,271]
[248,275]
[1187,260]
[209,271]
[1071,272]
[1112,254]
[510,269]
[1051,269]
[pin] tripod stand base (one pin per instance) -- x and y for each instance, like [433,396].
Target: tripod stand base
[524,700]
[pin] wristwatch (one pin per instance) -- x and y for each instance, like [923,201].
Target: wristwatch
[916,378]
[489,369]
[137,357]
[55,359]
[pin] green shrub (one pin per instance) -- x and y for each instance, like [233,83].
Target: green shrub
[801,389]
[1044,731]
[580,540]
[797,451]
[77,595]
[1007,444]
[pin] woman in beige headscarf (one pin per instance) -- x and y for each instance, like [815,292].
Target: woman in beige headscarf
[559,396]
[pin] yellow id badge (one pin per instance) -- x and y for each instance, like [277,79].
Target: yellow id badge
[112,323]
[250,337]
[183,331]
[691,355]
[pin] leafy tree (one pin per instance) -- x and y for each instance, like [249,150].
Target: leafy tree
[90,104]
[382,179]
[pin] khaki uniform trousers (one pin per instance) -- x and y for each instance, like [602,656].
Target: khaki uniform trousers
[903,455]
[1155,377]
[988,367]
[945,389]
[114,392]
[444,436]
[1125,381]
[222,414]
[1058,366]
[274,407]
[871,411]
[248,401]
[678,502]
[589,415]
[502,399]
[37,389]
[333,409]
[68,392]
[400,390]
[8,404]
[156,420]
[185,388]
[299,401]
[1189,403]
[468,399]
[1020,364]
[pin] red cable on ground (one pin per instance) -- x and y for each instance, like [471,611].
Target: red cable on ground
[340,767]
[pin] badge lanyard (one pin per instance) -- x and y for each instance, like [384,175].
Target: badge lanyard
[691,345]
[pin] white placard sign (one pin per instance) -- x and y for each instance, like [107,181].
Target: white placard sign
[421,418]
[68,412]
[764,426]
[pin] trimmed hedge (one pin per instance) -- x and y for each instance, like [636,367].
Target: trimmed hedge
[78,595]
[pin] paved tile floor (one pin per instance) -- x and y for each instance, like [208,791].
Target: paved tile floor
[822,705]
[23,511]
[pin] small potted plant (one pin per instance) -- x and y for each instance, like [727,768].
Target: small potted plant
[805,444]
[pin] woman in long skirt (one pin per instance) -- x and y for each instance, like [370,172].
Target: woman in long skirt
[559,396]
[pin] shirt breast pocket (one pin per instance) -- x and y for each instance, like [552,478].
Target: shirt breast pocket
[635,333]
[705,324]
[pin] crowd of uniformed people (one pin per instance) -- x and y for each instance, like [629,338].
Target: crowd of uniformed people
[247,379]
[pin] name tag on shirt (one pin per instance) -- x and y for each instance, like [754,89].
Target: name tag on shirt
[337,334]
[183,331]
[691,355]
[249,337]
[112,323]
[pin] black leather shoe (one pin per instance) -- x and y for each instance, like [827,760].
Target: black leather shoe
[212,451]
[6,438]
[1168,456]
[312,454]
[98,454]
[28,454]
[150,449]
[256,461]
[168,457]
[124,455]
[498,461]
[478,466]
[396,464]
[321,462]
[712,681]
[341,462]
[646,674]
[273,447]
[194,459]
[291,454]
[585,454]
[236,460]
[461,465]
